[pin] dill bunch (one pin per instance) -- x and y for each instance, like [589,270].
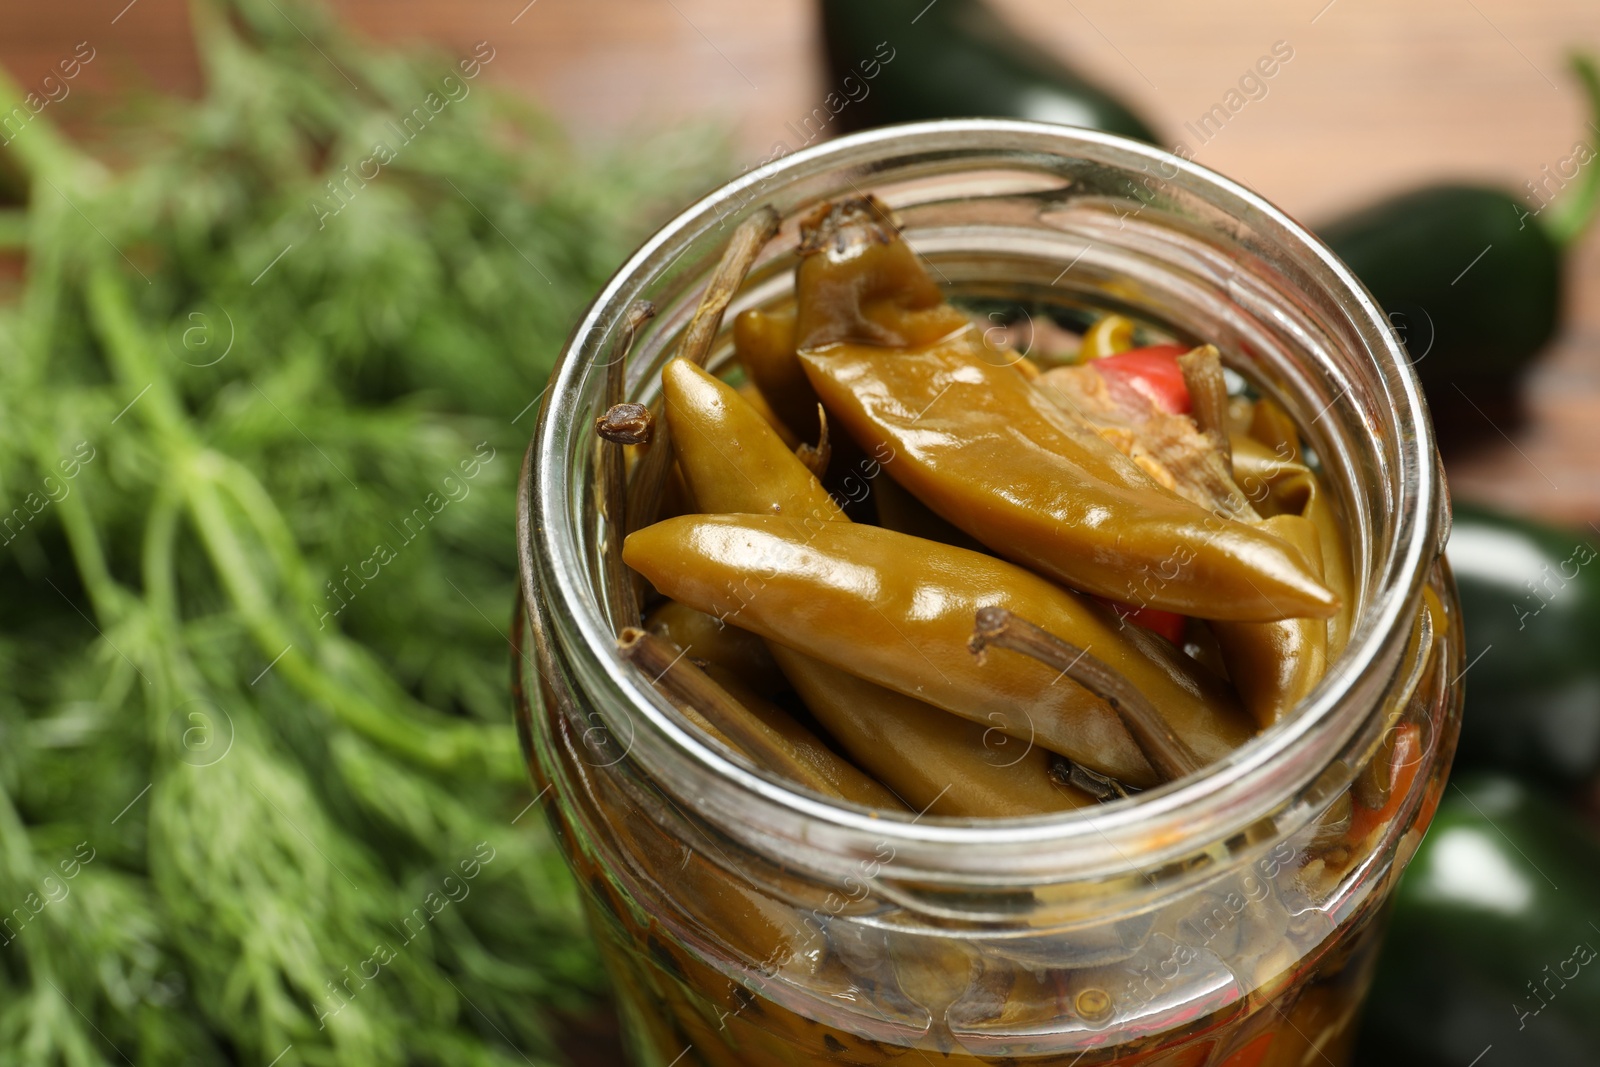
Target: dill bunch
[264,388]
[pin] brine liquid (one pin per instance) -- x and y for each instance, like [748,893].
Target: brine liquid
[716,963]
[680,1012]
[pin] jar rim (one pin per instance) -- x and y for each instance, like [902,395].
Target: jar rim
[1234,792]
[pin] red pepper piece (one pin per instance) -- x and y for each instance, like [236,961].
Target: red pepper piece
[1252,1054]
[1405,760]
[1152,372]
[1168,624]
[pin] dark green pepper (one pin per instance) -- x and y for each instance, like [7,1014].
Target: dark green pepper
[1471,280]
[1491,956]
[1470,275]
[956,59]
[1530,600]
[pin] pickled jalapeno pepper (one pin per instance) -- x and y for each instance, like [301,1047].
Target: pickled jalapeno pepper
[992,454]
[909,579]
[734,461]
[899,611]
[1125,507]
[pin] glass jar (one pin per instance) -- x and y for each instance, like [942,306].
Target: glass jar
[1226,919]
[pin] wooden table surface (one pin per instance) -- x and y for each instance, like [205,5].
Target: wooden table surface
[1377,95]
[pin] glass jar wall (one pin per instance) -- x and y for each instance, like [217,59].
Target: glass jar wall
[1229,918]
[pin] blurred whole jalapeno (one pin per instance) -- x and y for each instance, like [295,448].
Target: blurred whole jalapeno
[956,59]
[1493,951]
[1530,596]
[1471,275]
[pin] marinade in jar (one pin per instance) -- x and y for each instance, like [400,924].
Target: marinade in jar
[986,585]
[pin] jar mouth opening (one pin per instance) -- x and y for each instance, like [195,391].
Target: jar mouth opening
[1252,782]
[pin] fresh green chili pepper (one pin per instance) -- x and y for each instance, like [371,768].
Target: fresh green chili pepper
[1472,284]
[1530,597]
[903,60]
[1471,275]
[1493,953]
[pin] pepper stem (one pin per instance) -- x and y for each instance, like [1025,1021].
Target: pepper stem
[626,424]
[1166,751]
[644,494]
[1208,396]
[716,711]
[1102,787]
[1566,221]
[623,592]
[816,456]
